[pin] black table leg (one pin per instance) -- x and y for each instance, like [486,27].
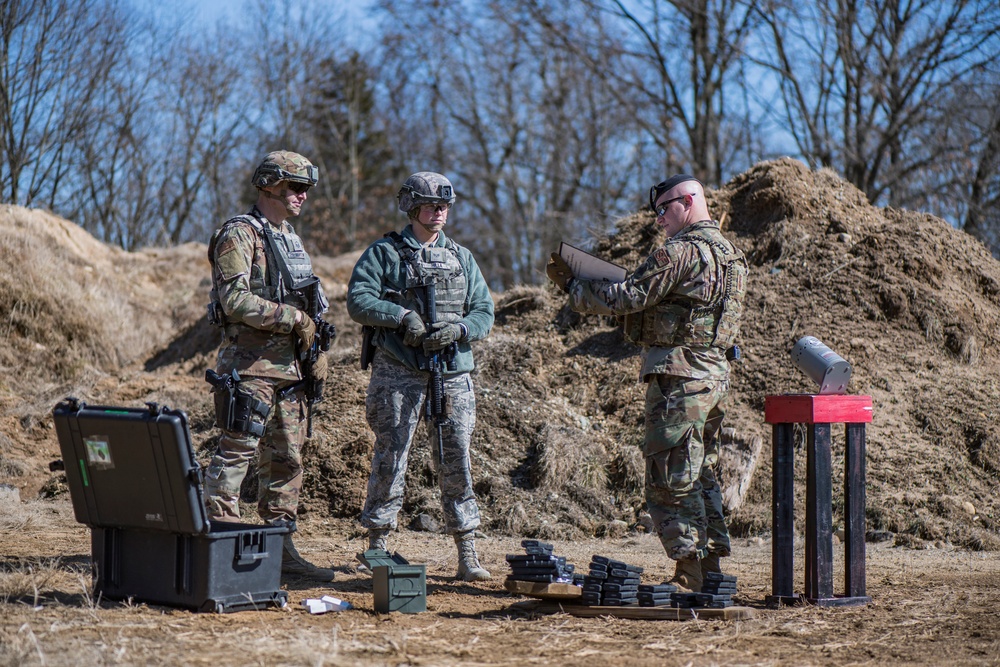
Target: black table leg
[854,512]
[782,514]
[819,515]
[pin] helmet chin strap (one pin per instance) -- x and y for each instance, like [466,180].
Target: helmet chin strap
[427,227]
[282,200]
[431,234]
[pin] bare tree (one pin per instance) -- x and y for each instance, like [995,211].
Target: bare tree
[107,118]
[530,134]
[56,58]
[157,168]
[674,64]
[359,171]
[967,189]
[108,191]
[206,116]
[983,217]
[861,81]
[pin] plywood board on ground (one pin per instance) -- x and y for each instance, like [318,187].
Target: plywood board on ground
[542,591]
[648,613]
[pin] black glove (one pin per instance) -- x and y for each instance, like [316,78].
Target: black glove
[415,329]
[444,335]
[558,271]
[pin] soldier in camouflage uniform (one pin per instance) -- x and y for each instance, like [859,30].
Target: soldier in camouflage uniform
[683,305]
[388,294]
[257,265]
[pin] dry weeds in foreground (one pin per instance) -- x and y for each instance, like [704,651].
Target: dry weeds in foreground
[930,607]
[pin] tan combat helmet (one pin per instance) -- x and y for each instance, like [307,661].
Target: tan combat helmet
[284,166]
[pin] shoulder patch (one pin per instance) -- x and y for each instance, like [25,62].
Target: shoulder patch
[654,264]
[227,245]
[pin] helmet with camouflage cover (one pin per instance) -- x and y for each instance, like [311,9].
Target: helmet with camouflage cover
[425,187]
[284,166]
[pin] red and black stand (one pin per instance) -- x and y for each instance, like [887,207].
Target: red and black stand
[818,412]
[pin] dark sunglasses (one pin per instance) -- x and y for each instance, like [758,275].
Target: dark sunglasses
[661,210]
[298,188]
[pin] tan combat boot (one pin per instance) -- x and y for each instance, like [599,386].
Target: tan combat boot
[711,563]
[294,564]
[469,568]
[688,577]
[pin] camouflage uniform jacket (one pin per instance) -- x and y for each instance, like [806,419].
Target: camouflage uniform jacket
[678,272]
[257,339]
[380,275]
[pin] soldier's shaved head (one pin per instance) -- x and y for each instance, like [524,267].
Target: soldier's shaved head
[662,187]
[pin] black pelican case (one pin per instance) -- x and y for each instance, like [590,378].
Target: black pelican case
[134,480]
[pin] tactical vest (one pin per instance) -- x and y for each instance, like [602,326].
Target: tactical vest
[288,267]
[708,317]
[435,265]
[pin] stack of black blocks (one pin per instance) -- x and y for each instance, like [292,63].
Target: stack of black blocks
[539,564]
[684,600]
[717,592]
[655,595]
[611,583]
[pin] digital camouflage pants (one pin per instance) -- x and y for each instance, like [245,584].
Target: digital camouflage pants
[683,420]
[279,460]
[394,407]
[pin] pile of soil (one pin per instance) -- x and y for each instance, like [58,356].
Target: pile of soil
[910,302]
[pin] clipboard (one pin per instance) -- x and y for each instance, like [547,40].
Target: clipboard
[589,267]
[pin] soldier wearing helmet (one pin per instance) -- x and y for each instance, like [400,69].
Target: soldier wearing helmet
[396,285]
[259,270]
[683,305]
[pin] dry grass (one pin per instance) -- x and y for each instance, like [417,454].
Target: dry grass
[569,457]
[26,580]
[929,607]
[79,302]
[626,469]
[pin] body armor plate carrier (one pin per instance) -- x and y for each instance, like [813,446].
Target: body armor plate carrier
[701,319]
[435,265]
[288,268]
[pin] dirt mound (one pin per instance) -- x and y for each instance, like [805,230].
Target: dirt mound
[913,304]
[69,301]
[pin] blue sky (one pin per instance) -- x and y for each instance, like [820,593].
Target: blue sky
[210,11]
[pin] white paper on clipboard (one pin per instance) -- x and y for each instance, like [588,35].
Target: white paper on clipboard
[588,267]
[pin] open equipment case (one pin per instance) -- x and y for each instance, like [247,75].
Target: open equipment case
[134,480]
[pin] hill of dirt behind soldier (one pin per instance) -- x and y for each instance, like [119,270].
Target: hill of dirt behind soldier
[913,304]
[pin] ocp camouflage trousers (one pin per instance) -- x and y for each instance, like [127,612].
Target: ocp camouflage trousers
[394,407]
[683,421]
[279,461]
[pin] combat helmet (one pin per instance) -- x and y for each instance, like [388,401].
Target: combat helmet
[425,187]
[284,166]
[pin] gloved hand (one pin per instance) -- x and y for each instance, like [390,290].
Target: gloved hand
[415,329]
[558,271]
[305,328]
[320,368]
[443,335]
